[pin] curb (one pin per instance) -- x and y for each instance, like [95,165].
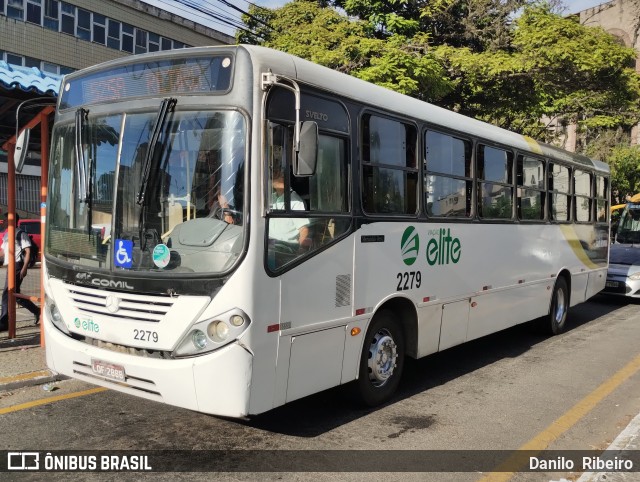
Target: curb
[30,380]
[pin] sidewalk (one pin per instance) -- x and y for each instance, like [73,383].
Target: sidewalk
[22,359]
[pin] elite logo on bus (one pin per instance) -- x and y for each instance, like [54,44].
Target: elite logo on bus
[410,246]
[443,249]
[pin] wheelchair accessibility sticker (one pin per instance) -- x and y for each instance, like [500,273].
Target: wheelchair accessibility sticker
[122,257]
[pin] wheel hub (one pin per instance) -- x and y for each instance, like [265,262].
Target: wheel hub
[383,354]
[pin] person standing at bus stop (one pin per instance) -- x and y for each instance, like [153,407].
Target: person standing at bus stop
[23,253]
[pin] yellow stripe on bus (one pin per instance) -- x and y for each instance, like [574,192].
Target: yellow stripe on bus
[533,144]
[574,242]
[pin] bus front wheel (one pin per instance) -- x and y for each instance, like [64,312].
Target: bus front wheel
[382,360]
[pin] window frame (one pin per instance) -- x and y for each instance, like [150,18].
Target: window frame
[480,143]
[541,190]
[589,197]
[426,172]
[368,113]
[604,198]
[553,190]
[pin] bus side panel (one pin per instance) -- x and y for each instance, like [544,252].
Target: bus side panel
[315,307]
[429,322]
[597,280]
[507,307]
[578,287]
[455,320]
[316,362]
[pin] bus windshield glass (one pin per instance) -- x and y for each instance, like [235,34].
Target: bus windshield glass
[178,208]
[629,226]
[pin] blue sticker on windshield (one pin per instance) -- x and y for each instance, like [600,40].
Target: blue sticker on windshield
[122,257]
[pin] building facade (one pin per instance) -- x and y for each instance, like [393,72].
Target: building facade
[620,18]
[58,37]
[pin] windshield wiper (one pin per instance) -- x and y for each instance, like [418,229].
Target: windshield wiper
[81,172]
[166,107]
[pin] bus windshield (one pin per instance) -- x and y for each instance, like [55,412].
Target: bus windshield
[629,226]
[178,208]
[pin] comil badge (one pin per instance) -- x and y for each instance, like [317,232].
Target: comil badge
[410,245]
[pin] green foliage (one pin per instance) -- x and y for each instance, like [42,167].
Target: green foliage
[624,162]
[554,68]
[323,36]
[469,56]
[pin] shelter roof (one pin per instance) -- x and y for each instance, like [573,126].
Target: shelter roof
[28,79]
[18,84]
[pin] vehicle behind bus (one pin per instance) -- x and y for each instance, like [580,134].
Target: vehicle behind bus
[623,276]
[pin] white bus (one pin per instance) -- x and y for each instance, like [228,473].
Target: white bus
[233,228]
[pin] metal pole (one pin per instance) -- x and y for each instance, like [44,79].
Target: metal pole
[11,237]
[44,176]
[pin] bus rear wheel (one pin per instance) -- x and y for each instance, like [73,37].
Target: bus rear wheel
[382,360]
[556,320]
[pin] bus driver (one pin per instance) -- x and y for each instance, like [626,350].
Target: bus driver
[288,230]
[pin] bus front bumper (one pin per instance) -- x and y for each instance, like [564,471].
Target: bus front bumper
[216,383]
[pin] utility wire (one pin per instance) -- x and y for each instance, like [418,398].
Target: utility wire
[209,16]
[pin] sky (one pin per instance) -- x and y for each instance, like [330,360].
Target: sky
[218,6]
[574,6]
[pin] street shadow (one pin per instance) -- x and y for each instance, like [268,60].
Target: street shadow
[19,342]
[319,413]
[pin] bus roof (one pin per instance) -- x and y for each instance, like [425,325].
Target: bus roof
[376,97]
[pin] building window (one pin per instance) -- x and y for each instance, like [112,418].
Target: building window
[83,30]
[127,37]
[167,44]
[68,19]
[154,42]
[113,41]
[34,11]
[14,59]
[141,41]
[50,68]
[15,9]
[51,15]
[31,62]
[99,29]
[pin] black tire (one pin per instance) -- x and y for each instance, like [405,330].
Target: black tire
[384,341]
[556,319]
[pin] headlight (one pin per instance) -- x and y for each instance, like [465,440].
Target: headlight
[212,333]
[634,276]
[218,331]
[55,316]
[199,339]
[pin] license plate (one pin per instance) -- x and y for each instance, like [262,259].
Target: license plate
[612,284]
[108,370]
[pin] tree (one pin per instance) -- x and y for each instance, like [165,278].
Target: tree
[554,68]
[624,162]
[468,56]
[324,36]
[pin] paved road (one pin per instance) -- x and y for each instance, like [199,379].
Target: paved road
[515,389]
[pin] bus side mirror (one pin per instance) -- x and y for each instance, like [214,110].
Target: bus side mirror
[307,157]
[22,147]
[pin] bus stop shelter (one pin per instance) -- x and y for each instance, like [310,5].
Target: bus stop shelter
[27,96]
